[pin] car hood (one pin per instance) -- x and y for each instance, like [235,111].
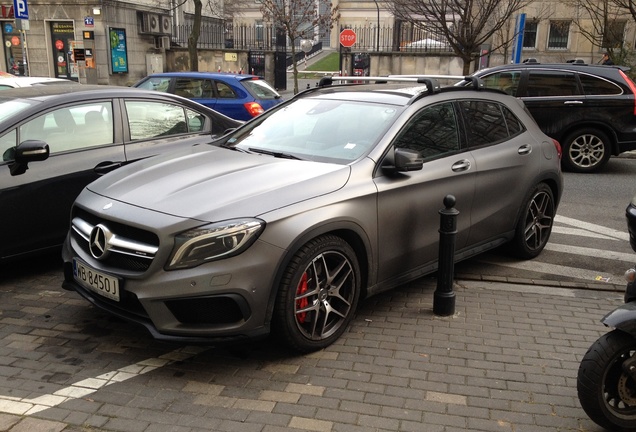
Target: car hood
[209,183]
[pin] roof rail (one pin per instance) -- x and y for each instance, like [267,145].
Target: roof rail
[431,81]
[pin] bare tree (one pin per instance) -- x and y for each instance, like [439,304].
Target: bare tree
[602,22]
[300,19]
[466,24]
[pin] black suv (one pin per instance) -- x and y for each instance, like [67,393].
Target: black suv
[589,109]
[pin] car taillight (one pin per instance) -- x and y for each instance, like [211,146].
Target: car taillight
[631,85]
[558,148]
[253,108]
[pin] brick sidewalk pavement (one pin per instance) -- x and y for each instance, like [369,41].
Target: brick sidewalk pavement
[506,361]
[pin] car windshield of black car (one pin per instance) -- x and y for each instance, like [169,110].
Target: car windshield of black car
[10,107]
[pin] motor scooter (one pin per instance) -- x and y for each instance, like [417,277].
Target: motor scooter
[606,381]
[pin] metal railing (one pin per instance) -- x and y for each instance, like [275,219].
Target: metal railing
[264,37]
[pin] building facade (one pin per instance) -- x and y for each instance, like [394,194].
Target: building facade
[120,41]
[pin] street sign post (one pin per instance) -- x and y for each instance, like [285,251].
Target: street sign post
[347,38]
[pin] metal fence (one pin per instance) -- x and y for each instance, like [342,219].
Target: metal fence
[265,37]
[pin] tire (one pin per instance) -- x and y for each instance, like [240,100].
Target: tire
[606,393]
[586,151]
[318,294]
[534,225]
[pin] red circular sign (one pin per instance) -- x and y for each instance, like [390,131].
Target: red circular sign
[347,38]
[59,45]
[15,41]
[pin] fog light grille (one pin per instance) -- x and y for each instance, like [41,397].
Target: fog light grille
[226,309]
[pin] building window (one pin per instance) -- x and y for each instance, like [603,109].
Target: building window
[259,31]
[530,35]
[559,33]
[614,34]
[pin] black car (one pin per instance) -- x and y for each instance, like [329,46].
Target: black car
[589,109]
[54,140]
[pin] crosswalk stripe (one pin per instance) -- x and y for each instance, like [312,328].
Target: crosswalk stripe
[599,229]
[597,253]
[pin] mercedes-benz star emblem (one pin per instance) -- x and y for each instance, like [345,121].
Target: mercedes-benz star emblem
[98,243]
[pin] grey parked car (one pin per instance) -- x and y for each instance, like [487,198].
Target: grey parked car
[286,223]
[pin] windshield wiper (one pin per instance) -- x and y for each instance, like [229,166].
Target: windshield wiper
[274,153]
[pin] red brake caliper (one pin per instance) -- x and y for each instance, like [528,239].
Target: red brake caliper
[303,302]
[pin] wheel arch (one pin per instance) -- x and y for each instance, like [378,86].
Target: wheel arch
[350,232]
[592,125]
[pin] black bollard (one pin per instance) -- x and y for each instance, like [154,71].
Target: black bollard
[444,297]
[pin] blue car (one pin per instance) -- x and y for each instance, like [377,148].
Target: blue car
[238,96]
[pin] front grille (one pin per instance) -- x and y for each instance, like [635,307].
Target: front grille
[133,249]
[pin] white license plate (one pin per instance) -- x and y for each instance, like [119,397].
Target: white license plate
[102,284]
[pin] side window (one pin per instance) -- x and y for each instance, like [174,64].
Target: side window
[72,128]
[507,81]
[484,121]
[7,141]
[596,86]
[187,87]
[207,89]
[196,121]
[224,91]
[552,83]
[432,132]
[514,125]
[155,119]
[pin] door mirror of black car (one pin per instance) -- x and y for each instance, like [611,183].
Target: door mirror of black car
[27,151]
[32,151]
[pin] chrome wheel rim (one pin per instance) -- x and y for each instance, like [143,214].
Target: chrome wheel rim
[587,151]
[324,295]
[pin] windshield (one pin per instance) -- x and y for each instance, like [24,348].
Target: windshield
[10,107]
[323,130]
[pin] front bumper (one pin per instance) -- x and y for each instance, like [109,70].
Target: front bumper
[217,302]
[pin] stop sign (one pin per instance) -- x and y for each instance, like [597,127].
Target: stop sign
[347,38]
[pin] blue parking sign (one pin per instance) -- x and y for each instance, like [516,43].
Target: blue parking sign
[21,9]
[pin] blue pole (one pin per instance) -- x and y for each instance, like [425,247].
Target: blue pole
[517,45]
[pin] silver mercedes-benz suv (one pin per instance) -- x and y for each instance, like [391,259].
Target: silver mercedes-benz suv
[286,223]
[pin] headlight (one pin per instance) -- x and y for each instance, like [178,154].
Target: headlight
[213,242]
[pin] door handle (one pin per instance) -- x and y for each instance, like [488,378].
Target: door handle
[573,102]
[525,149]
[461,165]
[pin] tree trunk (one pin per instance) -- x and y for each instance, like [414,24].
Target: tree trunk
[466,67]
[295,66]
[193,39]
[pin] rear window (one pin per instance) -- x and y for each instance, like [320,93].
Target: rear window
[260,88]
[597,86]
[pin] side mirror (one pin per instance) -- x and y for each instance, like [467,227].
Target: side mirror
[404,160]
[28,151]
[408,160]
[31,151]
